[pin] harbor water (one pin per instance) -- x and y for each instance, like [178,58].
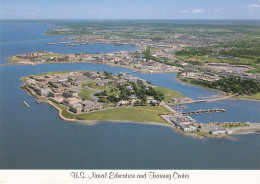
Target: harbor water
[36,138]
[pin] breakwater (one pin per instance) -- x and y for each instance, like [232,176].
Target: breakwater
[205,111]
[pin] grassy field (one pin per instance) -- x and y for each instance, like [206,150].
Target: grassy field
[65,113]
[183,58]
[253,36]
[110,88]
[93,85]
[255,96]
[136,114]
[203,59]
[12,59]
[168,93]
[85,93]
[54,73]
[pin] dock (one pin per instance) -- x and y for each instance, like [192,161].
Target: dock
[205,111]
[127,73]
[26,104]
[179,107]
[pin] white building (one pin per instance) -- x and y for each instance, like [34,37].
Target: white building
[188,128]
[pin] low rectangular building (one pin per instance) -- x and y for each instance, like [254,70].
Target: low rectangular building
[57,100]
[70,94]
[76,108]
[218,131]
[71,101]
[188,128]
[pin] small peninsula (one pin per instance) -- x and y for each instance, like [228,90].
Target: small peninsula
[89,97]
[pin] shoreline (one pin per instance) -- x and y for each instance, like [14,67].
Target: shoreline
[223,93]
[111,65]
[60,112]
[198,135]
[211,89]
[237,130]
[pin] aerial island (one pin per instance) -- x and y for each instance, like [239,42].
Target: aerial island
[89,97]
[219,57]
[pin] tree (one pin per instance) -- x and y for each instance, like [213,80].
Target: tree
[153,103]
[136,103]
[112,98]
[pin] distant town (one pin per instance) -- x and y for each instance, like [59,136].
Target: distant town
[132,60]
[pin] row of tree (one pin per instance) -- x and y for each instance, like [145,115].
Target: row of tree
[230,85]
[139,90]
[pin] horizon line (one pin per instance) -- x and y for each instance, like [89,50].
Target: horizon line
[126,19]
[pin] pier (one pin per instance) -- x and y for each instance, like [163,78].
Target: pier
[26,104]
[179,107]
[131,72]
[200,101]
[205,111]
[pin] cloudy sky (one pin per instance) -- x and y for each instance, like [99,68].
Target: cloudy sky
[129,9]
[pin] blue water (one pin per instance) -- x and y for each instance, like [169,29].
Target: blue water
[168,80]
[20,38]
[236,111]
[38,138]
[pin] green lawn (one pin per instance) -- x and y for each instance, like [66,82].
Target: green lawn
[65,113]
[93,84]
[183,58]
[136,114]
[168,93]
[54,73]
[108,88]
[244,61]
[255,96]
[12,59]
[85,93]
[253,36]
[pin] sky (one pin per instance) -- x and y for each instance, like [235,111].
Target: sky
[129,9]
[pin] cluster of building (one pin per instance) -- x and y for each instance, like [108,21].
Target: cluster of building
[150,35]
[184,122]
[65,88]
[132,60]
[163,45]
[200,76]
[227,68]
[214,71]
[221,131]
[42,57]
